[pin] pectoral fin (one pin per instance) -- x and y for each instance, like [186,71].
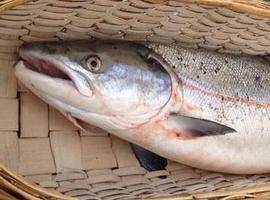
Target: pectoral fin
[196,126]
[149,160]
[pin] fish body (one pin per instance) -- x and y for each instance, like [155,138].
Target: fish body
[231,90]
[210,112]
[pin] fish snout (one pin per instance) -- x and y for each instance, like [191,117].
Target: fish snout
[40,48]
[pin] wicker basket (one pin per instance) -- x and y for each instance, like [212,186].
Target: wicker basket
[42,146]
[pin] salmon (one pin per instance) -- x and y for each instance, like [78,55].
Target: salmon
[196,107]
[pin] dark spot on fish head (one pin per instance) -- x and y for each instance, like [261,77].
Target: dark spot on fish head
[226,61]
[198,76]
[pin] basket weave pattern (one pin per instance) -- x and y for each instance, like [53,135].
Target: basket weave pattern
[50,151]
[216,28]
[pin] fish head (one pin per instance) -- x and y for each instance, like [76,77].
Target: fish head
[102,83]
[81,62]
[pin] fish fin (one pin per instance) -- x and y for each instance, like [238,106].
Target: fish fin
[197,126]
[149,160]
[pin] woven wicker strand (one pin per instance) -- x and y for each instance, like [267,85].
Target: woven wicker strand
[260,8]
[30,191]
[105,167]
[8,4]
[23,187]
[192,25]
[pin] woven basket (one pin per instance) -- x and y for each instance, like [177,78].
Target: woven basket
[44,148]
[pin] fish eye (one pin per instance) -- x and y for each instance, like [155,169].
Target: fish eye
[93,63]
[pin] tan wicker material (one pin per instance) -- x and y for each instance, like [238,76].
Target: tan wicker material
[206,26]
[38,143]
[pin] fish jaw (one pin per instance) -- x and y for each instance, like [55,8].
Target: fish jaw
[60,85]
[47,88]
[53,66]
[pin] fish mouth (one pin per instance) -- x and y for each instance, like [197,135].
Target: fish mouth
[54,69]
[44,67]
[49,66]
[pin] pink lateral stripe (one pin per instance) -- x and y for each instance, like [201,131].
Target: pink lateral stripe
[249,102]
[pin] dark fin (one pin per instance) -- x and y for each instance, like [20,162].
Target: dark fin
[198,127]
[149,160]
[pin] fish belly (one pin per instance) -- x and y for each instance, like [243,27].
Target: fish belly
[240,152]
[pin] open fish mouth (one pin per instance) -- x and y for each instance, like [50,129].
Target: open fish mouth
[54,69]
[45,67]
[50,66]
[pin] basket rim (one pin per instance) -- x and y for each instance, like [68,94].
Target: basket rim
[20,180]
[255,7]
